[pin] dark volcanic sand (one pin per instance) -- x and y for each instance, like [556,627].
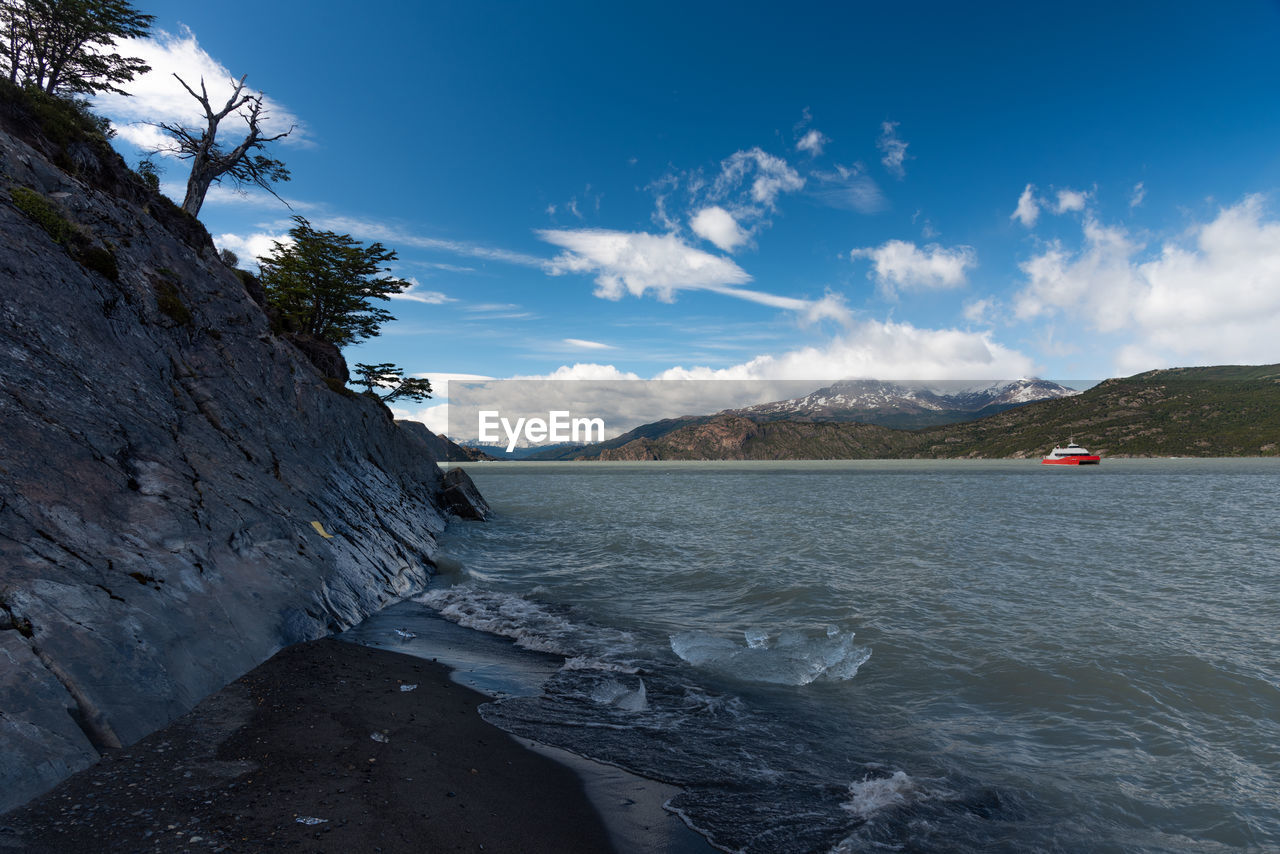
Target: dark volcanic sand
[293,739]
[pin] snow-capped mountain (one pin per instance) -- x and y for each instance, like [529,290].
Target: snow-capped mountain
[900,404]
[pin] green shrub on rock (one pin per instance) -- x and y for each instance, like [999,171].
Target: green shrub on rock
[42,212]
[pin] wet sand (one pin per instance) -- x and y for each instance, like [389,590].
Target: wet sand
[294,739]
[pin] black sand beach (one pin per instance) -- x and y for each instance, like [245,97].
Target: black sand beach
[291,757]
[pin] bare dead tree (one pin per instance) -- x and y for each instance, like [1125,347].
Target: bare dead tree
[211,163]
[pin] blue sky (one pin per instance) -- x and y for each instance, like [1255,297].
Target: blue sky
[934,190]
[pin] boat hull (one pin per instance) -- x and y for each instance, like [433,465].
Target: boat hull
[1079,460]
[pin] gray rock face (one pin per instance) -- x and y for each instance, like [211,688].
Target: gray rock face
[181,494]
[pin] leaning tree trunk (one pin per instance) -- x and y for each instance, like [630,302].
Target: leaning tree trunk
[197,187]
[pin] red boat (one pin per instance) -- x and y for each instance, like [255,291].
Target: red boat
[1071,455]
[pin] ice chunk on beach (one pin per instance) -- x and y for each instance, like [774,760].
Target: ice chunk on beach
[308,819]
[612,692]
[794,658]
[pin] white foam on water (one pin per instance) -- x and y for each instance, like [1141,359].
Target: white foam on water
[793,659]
[533,626]
[871,794]
[586,662]
[509,615]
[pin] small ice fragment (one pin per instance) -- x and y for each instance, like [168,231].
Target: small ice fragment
[408,687]
[308,819]
[405,633]
[379,737]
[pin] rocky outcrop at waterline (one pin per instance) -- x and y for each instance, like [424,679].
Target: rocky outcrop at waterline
[182,493]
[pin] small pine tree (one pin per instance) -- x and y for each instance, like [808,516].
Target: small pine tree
[149,172]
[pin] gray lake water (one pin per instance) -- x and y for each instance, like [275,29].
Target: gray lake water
[910,656]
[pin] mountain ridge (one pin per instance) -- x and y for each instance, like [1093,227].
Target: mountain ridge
[1224,410]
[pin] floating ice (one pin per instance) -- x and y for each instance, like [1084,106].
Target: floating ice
[405,633]
[793,659]
[611,692]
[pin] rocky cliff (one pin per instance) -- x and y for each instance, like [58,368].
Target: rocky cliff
[181,491]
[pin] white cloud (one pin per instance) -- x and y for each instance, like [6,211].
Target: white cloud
[636,263]
[1070,200]
[772,176]
[893,149]
[583,371]
[849,188]
[253,246]
[157,97]
[718,226]
[1139,193]
[901,264]
[583,344]
[1211,297]
[812,142]
[435,417]
[830,307]
[980,310]
[1028,210]
[416,293]
[884,350]
[394,237]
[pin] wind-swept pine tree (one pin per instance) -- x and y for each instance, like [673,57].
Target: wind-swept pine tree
[386,375]
[324,284]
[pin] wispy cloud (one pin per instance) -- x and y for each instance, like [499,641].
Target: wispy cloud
[849,188]
[416,293]
[583,344]
[1139,193]
[812,142]
[395,236]
[769,176]
[893,149]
